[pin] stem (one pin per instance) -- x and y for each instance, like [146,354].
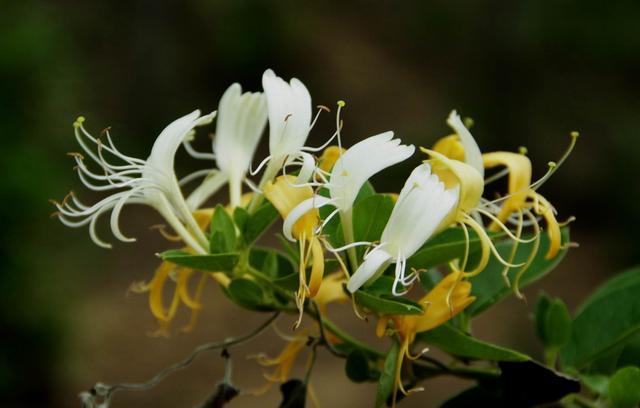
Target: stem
[106,391]
[342,335]
[347,232]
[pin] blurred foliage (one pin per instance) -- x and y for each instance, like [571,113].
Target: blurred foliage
[531,69]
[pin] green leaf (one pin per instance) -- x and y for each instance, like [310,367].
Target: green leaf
[223,232]
[448,245]
[553,322]
[388,376]
[459,344]
[624,388]
[596,383]
[290,282]
[370,216]
[246,293]
[240,217]
[609,319]
[259,221]
[489,287]
[210,263]
[270,262]
[542,305]
[366,190]
[385,305]
[357,367]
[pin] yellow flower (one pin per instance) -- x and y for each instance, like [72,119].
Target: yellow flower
[285,197]
[448,298]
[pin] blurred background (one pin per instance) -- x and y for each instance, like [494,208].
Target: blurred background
[527,72]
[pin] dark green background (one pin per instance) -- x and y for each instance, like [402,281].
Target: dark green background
[528,72]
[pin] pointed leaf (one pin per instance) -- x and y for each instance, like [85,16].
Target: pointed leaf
[385,305]
[624,388]
[388,376]
[223,232]
[259,221]
[457,343]
[609,319]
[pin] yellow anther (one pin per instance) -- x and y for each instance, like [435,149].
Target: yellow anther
[468,122]
[575,134]
[341,103]
[523,150]
[552,164]
[79,121]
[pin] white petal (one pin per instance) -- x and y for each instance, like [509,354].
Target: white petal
[361,162]
[289,107]
[472,154]
[299,211]
[369,268]
[241,121]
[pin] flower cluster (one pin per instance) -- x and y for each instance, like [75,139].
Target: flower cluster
[378,249]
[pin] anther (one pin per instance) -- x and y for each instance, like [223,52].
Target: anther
[341,104]
[574,134]
[324,108]
[523,150]
[286,118]
[468,122]
[75,155]
[552,164]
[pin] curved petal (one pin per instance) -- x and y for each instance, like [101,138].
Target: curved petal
[372,264]
[300,211]
[472,154]
[361,162]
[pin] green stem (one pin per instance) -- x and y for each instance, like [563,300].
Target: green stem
[550,357]
[347,338]
[347,232]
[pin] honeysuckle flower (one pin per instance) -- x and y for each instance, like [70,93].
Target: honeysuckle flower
[461,169]
[289,112]
[448,298]
[286,197]
[151,182]
[241,120]
[422,208]
[181,276]
[349,173]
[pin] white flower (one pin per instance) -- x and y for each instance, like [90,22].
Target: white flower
[472,154]
[421,210]
[358,164]
[152,182]
[350,172]
[289,106]
[241,120]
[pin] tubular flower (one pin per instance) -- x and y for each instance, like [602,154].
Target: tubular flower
[420,211]
[468,176]
[181,276]
[151,182]
[523,200]
[448,298]
[349,173]
[241,120]
[286,198]
[289,111]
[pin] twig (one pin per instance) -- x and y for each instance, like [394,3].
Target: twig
[106,391]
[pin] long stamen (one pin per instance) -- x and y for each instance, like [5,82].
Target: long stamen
[532,255]
[504,227]
[514,249]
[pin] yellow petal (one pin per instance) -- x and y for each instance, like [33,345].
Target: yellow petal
[329,157]
[453,171]
[519,167]
[545,209]
[331,291]
[451,147]
[317,267]
[285,197]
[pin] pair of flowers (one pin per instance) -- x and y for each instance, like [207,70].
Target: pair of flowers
[241,120]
